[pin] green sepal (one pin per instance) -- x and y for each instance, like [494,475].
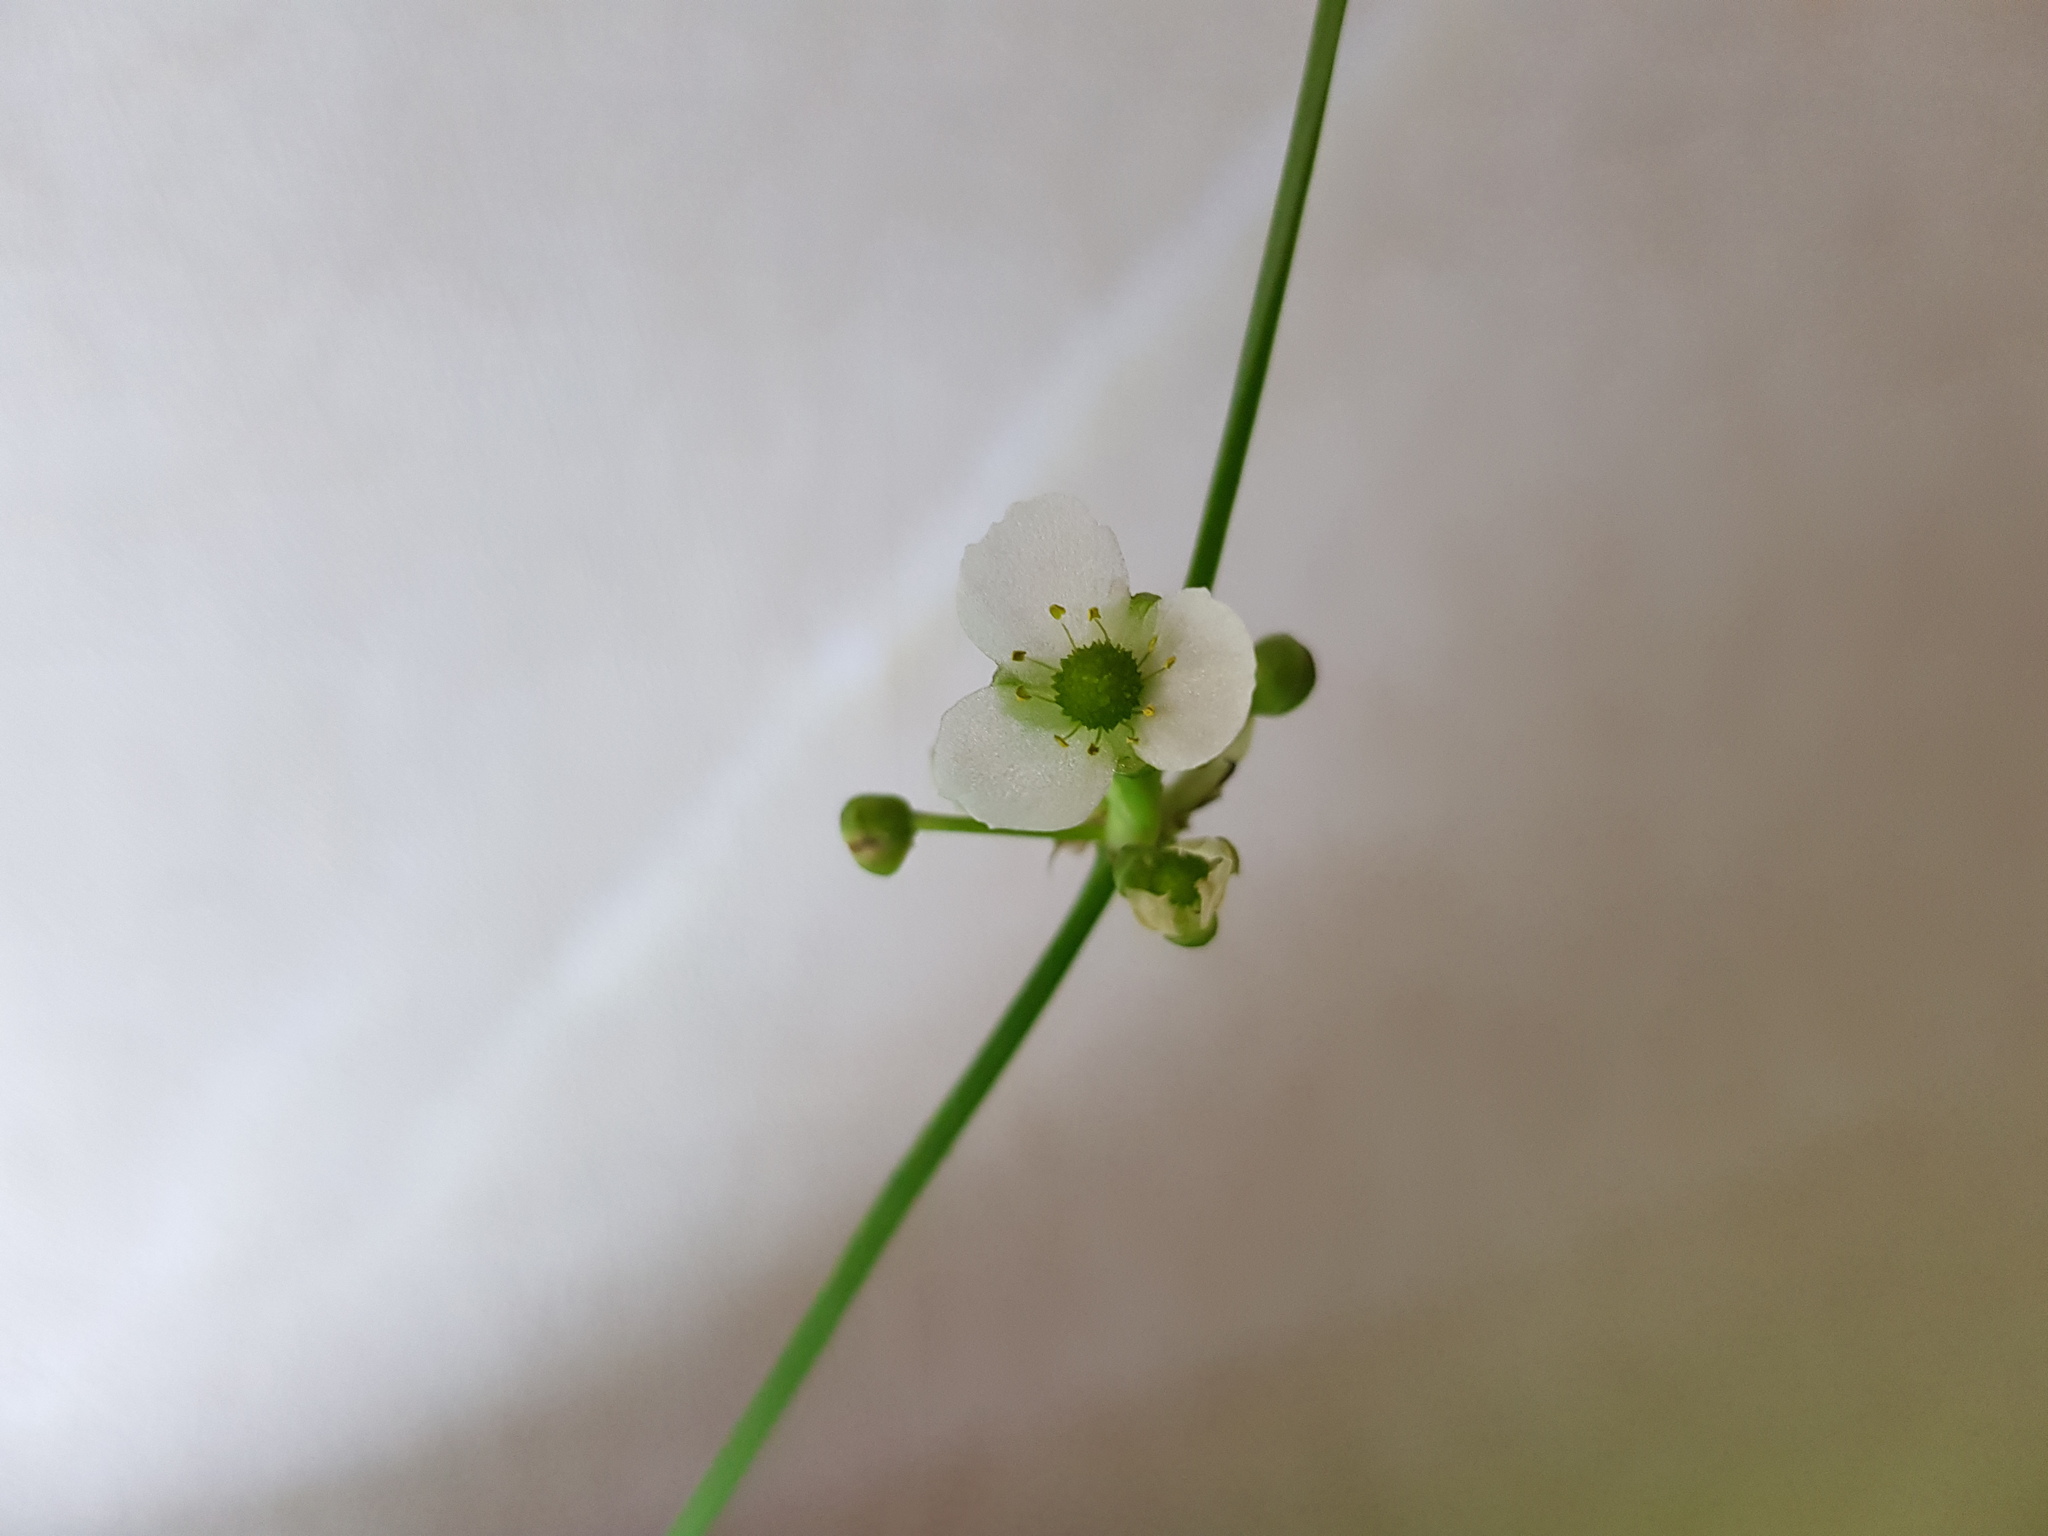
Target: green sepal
[1198,787]
[1173,874]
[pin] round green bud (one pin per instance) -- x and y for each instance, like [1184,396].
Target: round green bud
[878,832]
[1287,675]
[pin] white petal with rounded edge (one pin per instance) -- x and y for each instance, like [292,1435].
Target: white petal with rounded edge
[1202,701]
[1002,771]
[1047,550]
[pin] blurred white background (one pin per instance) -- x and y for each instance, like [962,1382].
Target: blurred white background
[480,484]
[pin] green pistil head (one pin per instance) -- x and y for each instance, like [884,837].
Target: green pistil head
[1099,686]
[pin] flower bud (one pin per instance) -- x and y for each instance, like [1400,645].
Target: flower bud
[878,832]
[1287,675]
[1178,890]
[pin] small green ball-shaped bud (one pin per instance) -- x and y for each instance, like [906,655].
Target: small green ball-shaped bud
[878,832]
[1287,675]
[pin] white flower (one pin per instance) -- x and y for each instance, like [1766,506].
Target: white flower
[1178,890]
[1088,678]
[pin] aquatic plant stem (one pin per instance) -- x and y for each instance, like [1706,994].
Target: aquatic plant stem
[890,1207]
[929,1151]
[1267,296]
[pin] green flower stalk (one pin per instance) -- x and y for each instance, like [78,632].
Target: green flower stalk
[879,830]
[1068,742]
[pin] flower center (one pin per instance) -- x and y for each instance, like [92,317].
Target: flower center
[1099,686]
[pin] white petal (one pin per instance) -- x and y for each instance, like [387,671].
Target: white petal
[1000,770]
[1222,856]
[1201,702]
[1047,550]
[1128,628]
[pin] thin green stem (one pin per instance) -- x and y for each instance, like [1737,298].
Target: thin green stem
[1264,323]
[932,821]
[936,1140]
[890,1207]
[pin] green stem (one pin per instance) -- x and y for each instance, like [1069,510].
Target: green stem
[1264,323]
[890,1207]
[915,1171]
[932,821]
[1133,810]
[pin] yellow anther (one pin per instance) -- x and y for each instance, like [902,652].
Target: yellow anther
[1151,645]
[1057,611]
[1023,693]
[1094,747]
[1171,660]
[1062,741]
[1147,711]
[1016,655]
[1094,615]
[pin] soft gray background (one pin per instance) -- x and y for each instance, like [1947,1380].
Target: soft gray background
[481,483]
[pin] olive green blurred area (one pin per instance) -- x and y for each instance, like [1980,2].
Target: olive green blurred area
[1851,1342]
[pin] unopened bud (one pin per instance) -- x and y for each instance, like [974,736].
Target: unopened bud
[1178,890]
[878,832]
[1287,675]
